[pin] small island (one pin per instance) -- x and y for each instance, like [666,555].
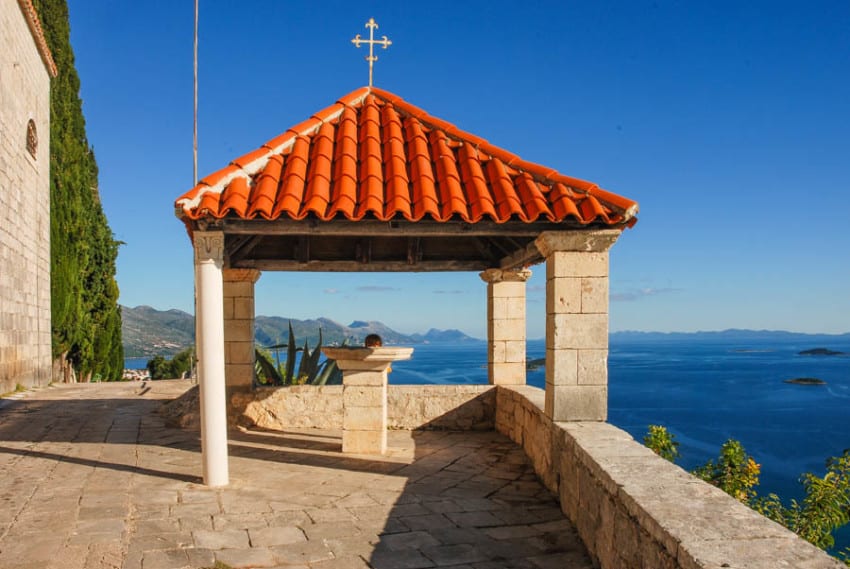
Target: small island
[806,381]
[535,364]
[821,352]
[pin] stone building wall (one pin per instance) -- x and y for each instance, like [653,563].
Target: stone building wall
[25,356]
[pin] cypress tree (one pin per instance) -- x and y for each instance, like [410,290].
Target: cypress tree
[86,318]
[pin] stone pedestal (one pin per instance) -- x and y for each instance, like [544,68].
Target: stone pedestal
[364,395]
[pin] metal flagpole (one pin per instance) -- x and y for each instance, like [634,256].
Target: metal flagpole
[193,372]
[195,130]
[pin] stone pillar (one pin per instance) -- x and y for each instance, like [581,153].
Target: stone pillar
[209,332]
[506,325]
[239,326]
[577,323]
[364,395]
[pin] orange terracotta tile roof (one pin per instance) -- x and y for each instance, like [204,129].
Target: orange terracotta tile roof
[372,155]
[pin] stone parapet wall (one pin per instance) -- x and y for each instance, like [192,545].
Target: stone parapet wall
[635,510]
[443,407]
[25,352]
[294,407]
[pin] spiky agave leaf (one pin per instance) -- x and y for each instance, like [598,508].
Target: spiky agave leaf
[310,361]
[289,374]
[304,374]
[329,372]
[263,365]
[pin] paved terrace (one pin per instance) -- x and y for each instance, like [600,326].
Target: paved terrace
[91,477]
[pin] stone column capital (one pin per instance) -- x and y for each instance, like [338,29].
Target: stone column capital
[209,247]
[585,241]
[366,359]
[241,275]
[502,275]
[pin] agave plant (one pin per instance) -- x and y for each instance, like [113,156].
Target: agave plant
[310,370]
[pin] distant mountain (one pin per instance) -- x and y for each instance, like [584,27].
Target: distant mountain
[274,330]
[149,332]
[434,335]
[731,335]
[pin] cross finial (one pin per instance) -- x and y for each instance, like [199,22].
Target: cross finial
[371,58]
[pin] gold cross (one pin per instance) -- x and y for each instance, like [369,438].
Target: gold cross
[371,58]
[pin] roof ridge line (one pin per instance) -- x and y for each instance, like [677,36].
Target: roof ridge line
[508,158]
[254,166]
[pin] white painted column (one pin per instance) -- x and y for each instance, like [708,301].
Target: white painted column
[209,332]
[506,324]
[577,323]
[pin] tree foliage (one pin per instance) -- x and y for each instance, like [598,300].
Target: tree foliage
[181,363]
[86,318]
[735,472]
[824,509]
[661,441]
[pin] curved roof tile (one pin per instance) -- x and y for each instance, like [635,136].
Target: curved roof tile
[373,155]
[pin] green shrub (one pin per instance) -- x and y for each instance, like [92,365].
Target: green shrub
[662,442]
[824,509]
[161,368]
[735,472]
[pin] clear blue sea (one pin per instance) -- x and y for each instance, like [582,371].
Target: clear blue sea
[705,393]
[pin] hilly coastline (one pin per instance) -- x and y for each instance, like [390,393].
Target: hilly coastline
[149,332]
[726,336]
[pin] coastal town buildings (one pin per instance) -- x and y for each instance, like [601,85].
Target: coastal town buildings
[26,68]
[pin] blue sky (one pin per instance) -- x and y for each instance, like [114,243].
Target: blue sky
[728,122]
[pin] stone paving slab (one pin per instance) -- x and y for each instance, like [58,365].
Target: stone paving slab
[91,477]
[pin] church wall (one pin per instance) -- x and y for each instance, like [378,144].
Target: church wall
[25,356]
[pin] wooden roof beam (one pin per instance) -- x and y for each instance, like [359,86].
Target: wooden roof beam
[356,266]
[382,228]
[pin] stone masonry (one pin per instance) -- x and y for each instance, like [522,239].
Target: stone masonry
[25,356]
[633,509]
[426,407]
[506,324]
[364,395]
[239,326]
[577,323]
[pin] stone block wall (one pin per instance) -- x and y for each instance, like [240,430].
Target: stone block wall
[295,407]
[635,510]
[238,307]
[442,407]
[25,356]
[506,322]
